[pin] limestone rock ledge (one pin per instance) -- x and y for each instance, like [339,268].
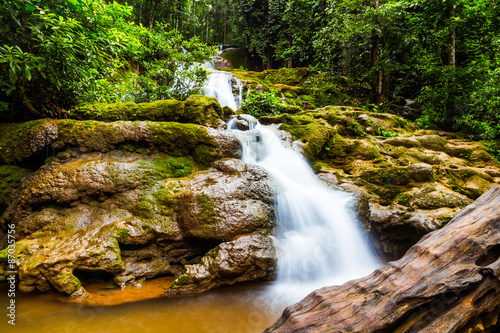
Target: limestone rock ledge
[247,258]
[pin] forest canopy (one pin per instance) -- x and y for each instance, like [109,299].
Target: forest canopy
[443,53]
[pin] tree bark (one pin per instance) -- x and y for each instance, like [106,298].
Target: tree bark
[447,282]
[225,28]
[451,112]
[377,90]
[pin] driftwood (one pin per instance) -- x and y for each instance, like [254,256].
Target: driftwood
[448,282]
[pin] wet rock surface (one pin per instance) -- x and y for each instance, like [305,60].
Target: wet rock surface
[247,258]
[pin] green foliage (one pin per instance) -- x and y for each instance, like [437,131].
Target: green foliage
[263,104]
[493,147]
[58,53]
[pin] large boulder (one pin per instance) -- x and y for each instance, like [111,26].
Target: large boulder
[219,205]
[247,258]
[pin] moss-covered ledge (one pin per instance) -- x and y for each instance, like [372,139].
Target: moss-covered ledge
[196,109]
[22,141]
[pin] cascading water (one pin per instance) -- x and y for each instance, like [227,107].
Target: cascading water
[220,86]
[224,86]
[319,239]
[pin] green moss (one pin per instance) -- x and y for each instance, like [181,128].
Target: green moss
[208,211]
[10,176]
[184,140]
[162,110]
[20,140]
[119,232]
[434,142]
[344,125]
[403,199]
[180,281]
[66,282]
[202,110]
[387,176]
[174,167]
[286,76]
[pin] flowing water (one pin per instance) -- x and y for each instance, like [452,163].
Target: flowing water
[221,86]
[224,86]
[317,233]
[319,240]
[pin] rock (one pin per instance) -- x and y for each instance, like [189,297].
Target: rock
[89,136]
[244,122]
[414,180]
[220,62]
[448,282]
[397,228]
[220,205]
[410,142]
[203,110]
[196,109]
[105,205]
[247,258]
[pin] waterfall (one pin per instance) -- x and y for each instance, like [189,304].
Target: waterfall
[224,86]
[317,233]
[220,85]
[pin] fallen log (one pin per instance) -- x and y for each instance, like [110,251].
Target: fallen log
[448,282]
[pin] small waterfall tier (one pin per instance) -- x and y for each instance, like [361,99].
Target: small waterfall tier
[224,86]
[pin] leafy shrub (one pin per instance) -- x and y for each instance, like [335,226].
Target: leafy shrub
[263,104]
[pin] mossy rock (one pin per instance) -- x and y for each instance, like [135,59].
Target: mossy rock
[432,197]
[203,110]
[162,110]
[10,176]
[21,140]
[292,90]
[343,124]
[286,76]
[315,135]
[433,142]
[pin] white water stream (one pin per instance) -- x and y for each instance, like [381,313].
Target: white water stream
[317,233]
[224,86]
[220,85]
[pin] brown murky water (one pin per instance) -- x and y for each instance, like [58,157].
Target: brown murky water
[232,309]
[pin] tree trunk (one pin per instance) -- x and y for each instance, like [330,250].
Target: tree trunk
[225,28]
[448,282]
[451,112]
[140,13]
[289,62]
[377,93]
[269,58]
[206,38]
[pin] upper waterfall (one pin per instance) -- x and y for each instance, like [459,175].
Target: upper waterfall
[224,86]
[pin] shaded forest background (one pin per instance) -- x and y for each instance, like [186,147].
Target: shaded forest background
[445,54]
